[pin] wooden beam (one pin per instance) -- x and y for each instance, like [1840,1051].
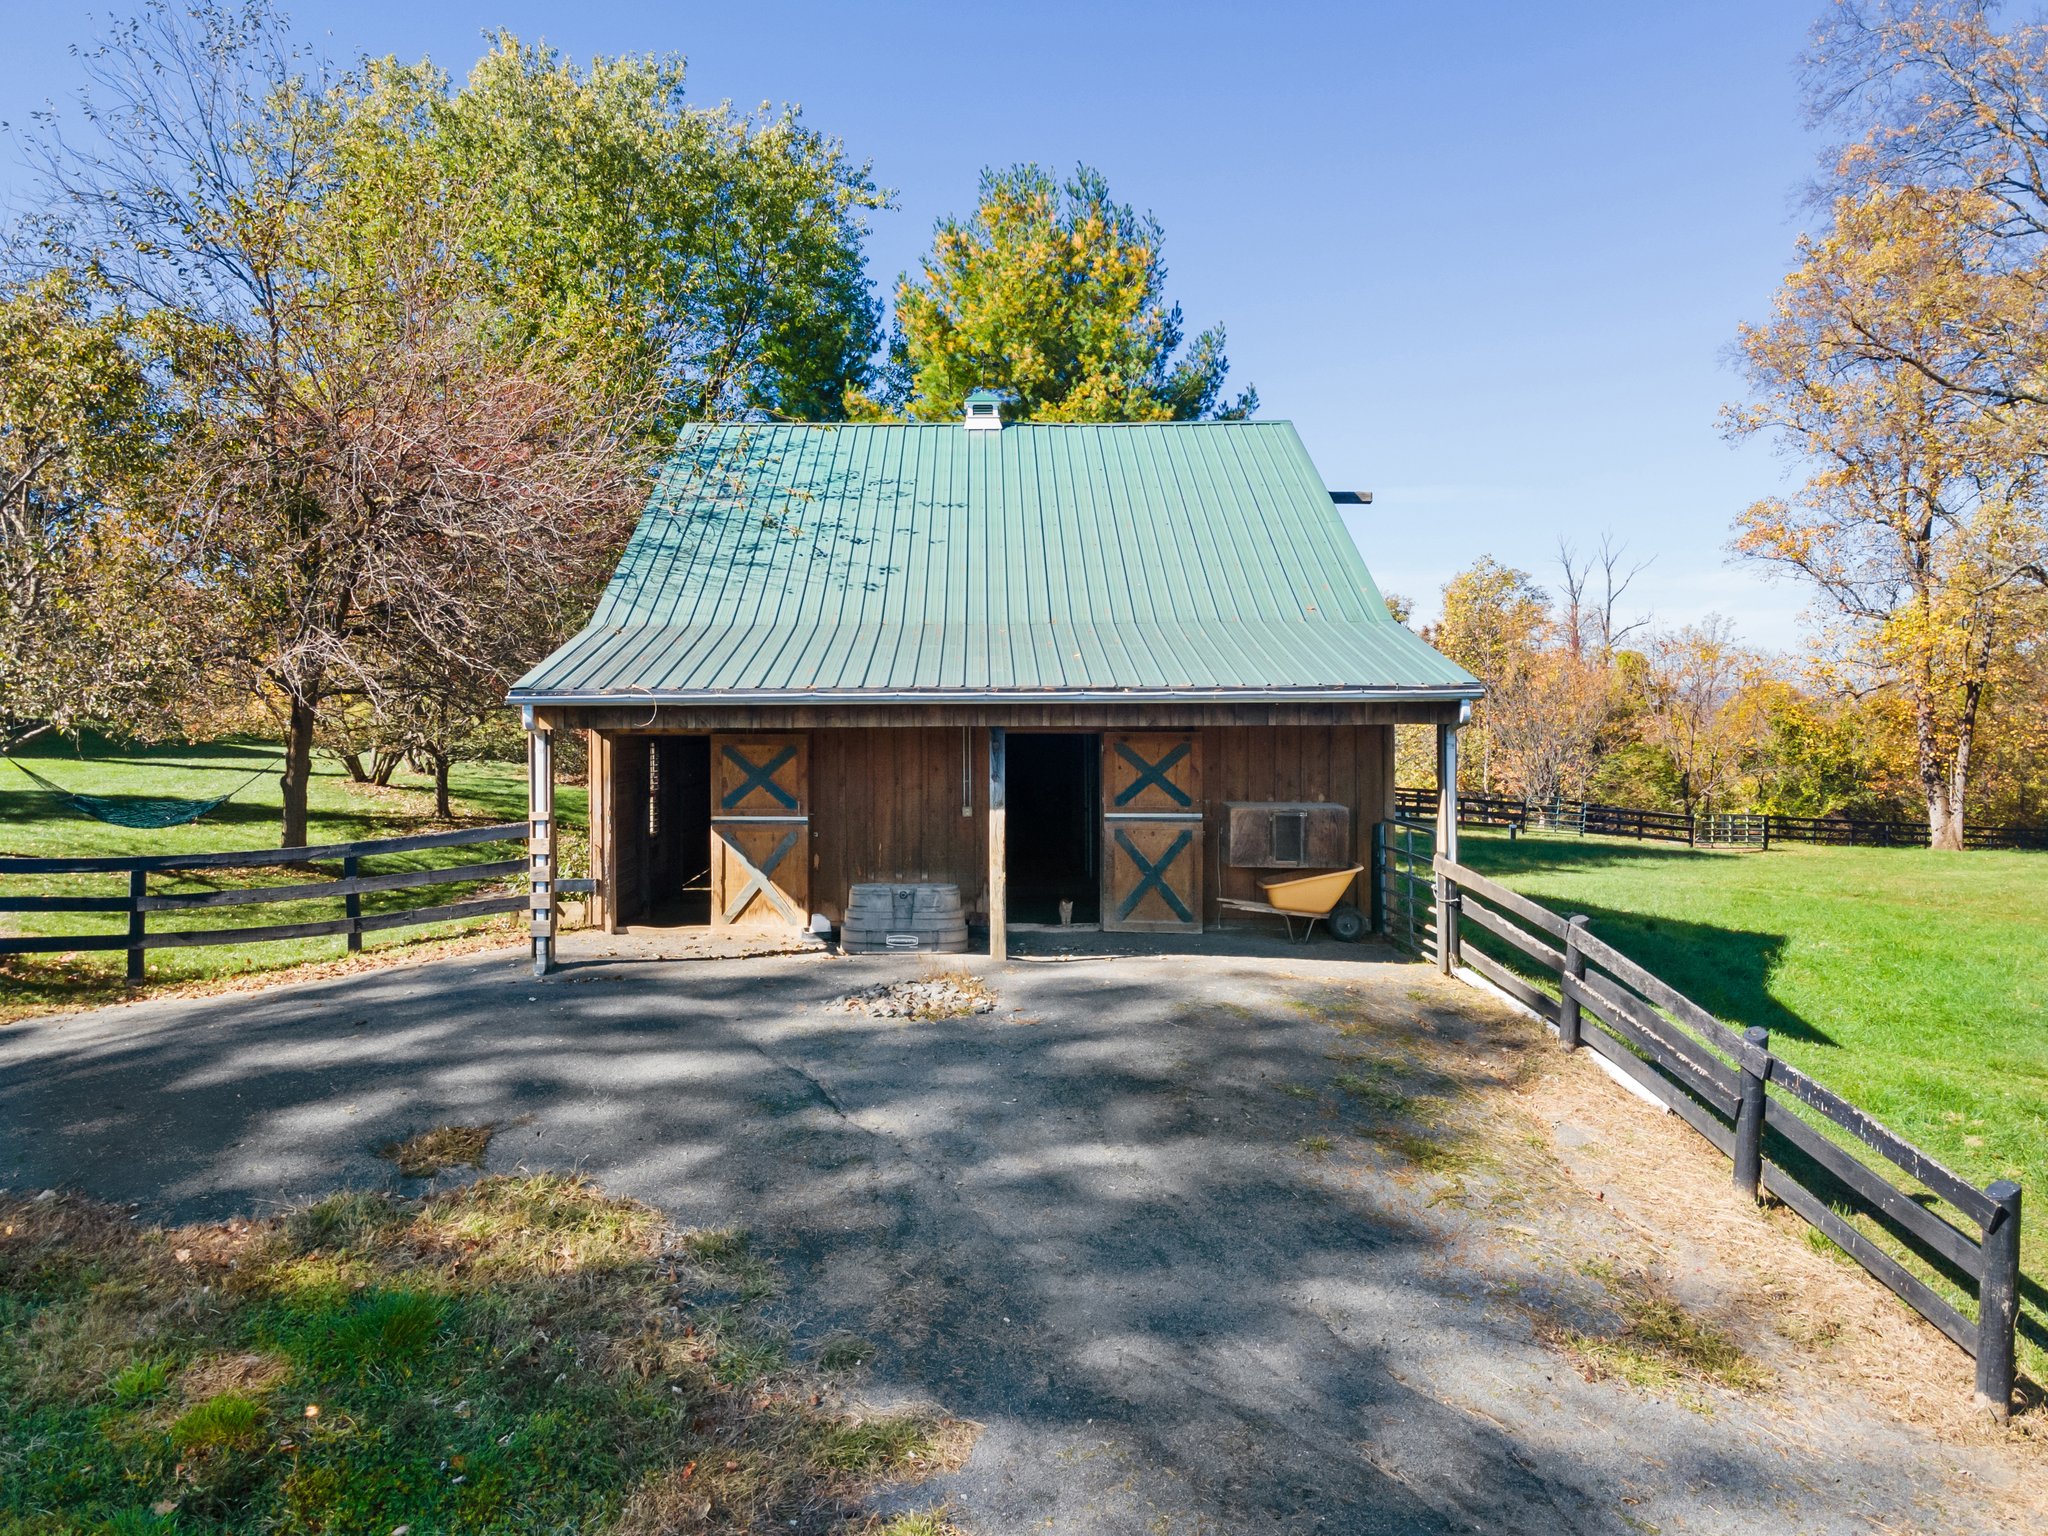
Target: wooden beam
[998,844]
[1447,846]
[598,774]
[540,844]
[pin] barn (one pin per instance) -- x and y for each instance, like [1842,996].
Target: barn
[1111,674]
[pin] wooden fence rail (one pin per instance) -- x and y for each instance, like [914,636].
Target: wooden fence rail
[1722,829]
[1737,1094]
[350,887]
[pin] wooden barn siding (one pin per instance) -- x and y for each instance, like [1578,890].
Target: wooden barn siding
[886,806]
[885,803]
[1344,764]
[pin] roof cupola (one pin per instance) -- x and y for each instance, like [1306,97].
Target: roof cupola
[984,411]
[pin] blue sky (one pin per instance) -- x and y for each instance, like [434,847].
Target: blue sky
[1487,257]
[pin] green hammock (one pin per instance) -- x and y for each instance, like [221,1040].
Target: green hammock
[143,812]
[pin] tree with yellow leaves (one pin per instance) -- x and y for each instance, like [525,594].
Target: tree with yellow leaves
[1920,523]
[1051,292]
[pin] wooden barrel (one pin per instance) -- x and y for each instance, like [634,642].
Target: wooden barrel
[882,917]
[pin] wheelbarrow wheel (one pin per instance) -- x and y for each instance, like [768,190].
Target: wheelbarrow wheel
[1347,923]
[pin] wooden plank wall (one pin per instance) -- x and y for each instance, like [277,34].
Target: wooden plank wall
[886,806]
[1346,764]
[885,803]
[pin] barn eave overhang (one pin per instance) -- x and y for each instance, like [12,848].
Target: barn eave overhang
[1375,694]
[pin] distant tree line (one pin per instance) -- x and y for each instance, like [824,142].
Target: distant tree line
[328,394]
[1584,704]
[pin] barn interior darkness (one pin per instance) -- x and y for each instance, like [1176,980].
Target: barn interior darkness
[679,830]
[1054,826]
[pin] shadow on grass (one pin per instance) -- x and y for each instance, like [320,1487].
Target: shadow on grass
[1726,971]
[1498,855]
[29,806]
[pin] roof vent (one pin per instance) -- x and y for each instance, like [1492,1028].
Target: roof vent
[984,411]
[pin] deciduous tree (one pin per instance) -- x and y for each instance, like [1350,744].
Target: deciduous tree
[713,258]
[1919,525]
[1696,674]
[422,338]
[82,426]
[372,459]
[1053,292]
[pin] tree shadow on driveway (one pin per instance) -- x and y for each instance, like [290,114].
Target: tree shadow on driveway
[1097,1221]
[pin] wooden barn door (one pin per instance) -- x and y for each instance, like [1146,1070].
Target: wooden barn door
[1152,831]
[760,831]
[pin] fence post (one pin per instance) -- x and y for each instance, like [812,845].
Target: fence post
[138,887]
[352,905]
[1767,831]
[1749,1120]
[1575,968]
[1448,903]
[1998,1295]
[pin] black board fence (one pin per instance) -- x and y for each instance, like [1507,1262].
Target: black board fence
[350,885]
[1588,818]
[1736,1093]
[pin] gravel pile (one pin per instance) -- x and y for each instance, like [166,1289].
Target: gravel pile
[936,997]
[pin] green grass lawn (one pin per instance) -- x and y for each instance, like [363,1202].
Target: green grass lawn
[36,823]
[1913,983]
[522,1355]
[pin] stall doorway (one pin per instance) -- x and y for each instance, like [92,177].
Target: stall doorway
[1054,837]
[678,831]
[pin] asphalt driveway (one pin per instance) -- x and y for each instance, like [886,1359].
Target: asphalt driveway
[1134,1223]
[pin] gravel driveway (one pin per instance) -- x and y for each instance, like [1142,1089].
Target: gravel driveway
[1205,1244]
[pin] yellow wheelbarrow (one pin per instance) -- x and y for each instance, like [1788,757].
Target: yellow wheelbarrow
[1319,898]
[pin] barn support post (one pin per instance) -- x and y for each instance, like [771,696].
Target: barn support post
[1998,1300]
[998,844]
[1447,845]
[540,840]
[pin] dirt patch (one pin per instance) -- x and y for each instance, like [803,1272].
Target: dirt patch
[1632,1254]
[951,995]
[1755,1270]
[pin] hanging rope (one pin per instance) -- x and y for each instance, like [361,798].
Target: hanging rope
[149,813]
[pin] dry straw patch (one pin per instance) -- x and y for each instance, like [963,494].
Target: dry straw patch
[1657,1343]
[447,1146]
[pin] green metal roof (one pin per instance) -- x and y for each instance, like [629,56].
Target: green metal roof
[780,562]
